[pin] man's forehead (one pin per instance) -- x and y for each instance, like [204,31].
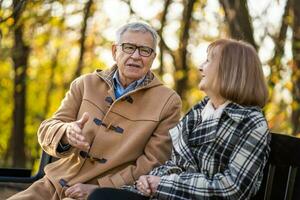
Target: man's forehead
[137,37]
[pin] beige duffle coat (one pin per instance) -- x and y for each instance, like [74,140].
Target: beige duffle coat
[128,136]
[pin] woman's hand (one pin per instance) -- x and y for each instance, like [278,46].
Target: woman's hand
[143,186]
[148,184]
[153,181]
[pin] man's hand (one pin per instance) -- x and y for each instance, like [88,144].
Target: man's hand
[74,136]
[148,184]
[80,191]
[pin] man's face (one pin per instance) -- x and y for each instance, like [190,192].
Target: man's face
[133,66]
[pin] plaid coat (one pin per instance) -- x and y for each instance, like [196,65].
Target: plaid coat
[222,158]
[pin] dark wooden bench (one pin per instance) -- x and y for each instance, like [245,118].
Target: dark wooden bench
[281,178]
[18,175]
[282,175]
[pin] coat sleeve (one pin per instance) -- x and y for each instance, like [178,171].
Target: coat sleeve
[239,180]
[51,130]
[168,168]
[174,165]
[157,149]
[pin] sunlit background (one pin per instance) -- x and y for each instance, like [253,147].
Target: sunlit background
[66,36]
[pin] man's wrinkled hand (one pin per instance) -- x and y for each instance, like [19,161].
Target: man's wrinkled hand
[74,136]
[80,191]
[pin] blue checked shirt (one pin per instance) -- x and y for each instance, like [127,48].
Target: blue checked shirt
[220,158]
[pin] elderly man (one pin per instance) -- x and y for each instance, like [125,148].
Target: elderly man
[112,126]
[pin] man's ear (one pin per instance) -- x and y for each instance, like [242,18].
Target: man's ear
[155,54]
[114,51]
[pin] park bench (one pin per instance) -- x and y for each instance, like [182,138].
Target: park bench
[281,178]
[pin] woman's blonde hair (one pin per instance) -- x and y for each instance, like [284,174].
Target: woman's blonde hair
[240,76]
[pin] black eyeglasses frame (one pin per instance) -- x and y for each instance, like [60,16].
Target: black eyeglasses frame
[136,47]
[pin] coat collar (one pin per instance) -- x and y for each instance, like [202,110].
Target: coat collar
[107,75]
[233,110]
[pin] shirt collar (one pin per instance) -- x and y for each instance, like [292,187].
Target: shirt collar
[150,79]
[209,112]
[233,110]
[132,85]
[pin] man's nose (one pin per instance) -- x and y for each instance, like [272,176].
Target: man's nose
[136,54]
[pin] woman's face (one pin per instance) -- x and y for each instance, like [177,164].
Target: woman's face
[209,72]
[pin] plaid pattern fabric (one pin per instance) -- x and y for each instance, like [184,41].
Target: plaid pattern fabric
[220,158]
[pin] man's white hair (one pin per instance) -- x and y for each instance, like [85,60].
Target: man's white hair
[137,27]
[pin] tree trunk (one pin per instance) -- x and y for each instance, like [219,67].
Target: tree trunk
[296,68]
[20,53]
[275,62]
[160,33]
[51,84]
[86,14]
[238,19]
[181,56]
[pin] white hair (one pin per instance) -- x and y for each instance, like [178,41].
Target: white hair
[137,27]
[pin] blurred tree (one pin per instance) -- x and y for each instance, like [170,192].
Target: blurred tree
[296,67]
[279,40]
[238,19]
[46,44]
[181,55]
[83,36]
[20,53]
[160,33]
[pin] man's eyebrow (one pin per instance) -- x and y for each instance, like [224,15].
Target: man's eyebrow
[135,44]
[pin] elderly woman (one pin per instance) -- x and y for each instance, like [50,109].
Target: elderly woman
[221,146]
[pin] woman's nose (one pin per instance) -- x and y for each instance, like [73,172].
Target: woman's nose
[200,68]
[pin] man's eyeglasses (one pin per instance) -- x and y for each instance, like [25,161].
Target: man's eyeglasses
[131,48]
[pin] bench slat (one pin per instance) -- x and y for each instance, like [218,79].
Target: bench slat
[290,183]
[269,183]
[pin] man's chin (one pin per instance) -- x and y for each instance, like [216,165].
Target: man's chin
[133,76]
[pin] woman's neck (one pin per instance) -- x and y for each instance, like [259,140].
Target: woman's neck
[217,101]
